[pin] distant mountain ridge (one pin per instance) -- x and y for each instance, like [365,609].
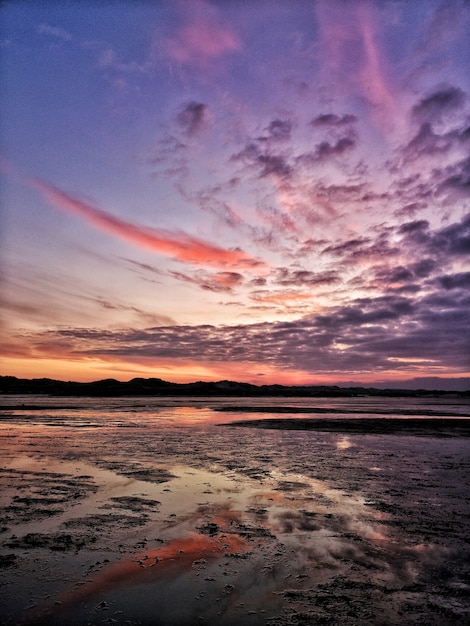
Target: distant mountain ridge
[225,388]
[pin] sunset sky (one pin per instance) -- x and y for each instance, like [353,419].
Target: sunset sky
[270,191]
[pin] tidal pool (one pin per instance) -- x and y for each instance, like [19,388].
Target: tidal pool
[135,512]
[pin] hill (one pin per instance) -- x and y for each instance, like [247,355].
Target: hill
[157,387]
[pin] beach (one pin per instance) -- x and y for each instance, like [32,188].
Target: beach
[233,511]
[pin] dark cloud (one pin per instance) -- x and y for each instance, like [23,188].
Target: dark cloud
[326,150]
[427,142]
[397,274]
[433,107]
[409,210]
[424,267]
[193,118]
[332,120]
[264,158]
[432,137]
[351,245]
[441,245]
[363,248]
[280,130]
[416,232]
[264,161]
[392,332]
[274,164]
[460,280]
[258,282]
[284,276]
[453,239]
[457,180]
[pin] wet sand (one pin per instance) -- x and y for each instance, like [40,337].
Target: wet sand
[112,516]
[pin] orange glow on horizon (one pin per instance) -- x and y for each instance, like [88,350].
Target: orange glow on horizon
[92,369]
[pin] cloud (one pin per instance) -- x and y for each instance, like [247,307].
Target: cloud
[414,322]
[456,182]
[280,130]
[331,120]
[398,274]
[108,59]
[427,142]
[145,316]
[369,335]
[461,280]
[432,108]
[286,277]
[54,31]
[144,266]
[177,245]
[453,239]
[203,39]
[193,118]
[445,243]
[362,248]
[280,298]
[267,161]
[354,59]
[264,161]
[443,130]
[217,282]
[375,83]
[325,150]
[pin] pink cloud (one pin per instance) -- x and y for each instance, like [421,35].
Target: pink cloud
[373,77]
[177,245]
[355,57]
[203,38]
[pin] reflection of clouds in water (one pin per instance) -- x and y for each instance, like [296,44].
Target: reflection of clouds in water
[161,564]
[344,443]
[290,521]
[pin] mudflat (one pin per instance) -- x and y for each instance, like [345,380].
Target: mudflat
[133,512]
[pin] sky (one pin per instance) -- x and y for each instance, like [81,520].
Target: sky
[268,192]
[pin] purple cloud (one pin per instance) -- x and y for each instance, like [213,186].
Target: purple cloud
[331,120]
[193,118]
[432,108]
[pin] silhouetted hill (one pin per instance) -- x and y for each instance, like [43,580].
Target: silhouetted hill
[224,388]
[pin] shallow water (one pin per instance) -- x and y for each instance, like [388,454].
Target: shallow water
[148,511]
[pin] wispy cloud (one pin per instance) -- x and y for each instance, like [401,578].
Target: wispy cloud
[375,83]
[177,245]
[217,282]
[54,31]
[355,62]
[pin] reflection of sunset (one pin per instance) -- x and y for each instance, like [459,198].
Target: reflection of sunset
[165,563]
